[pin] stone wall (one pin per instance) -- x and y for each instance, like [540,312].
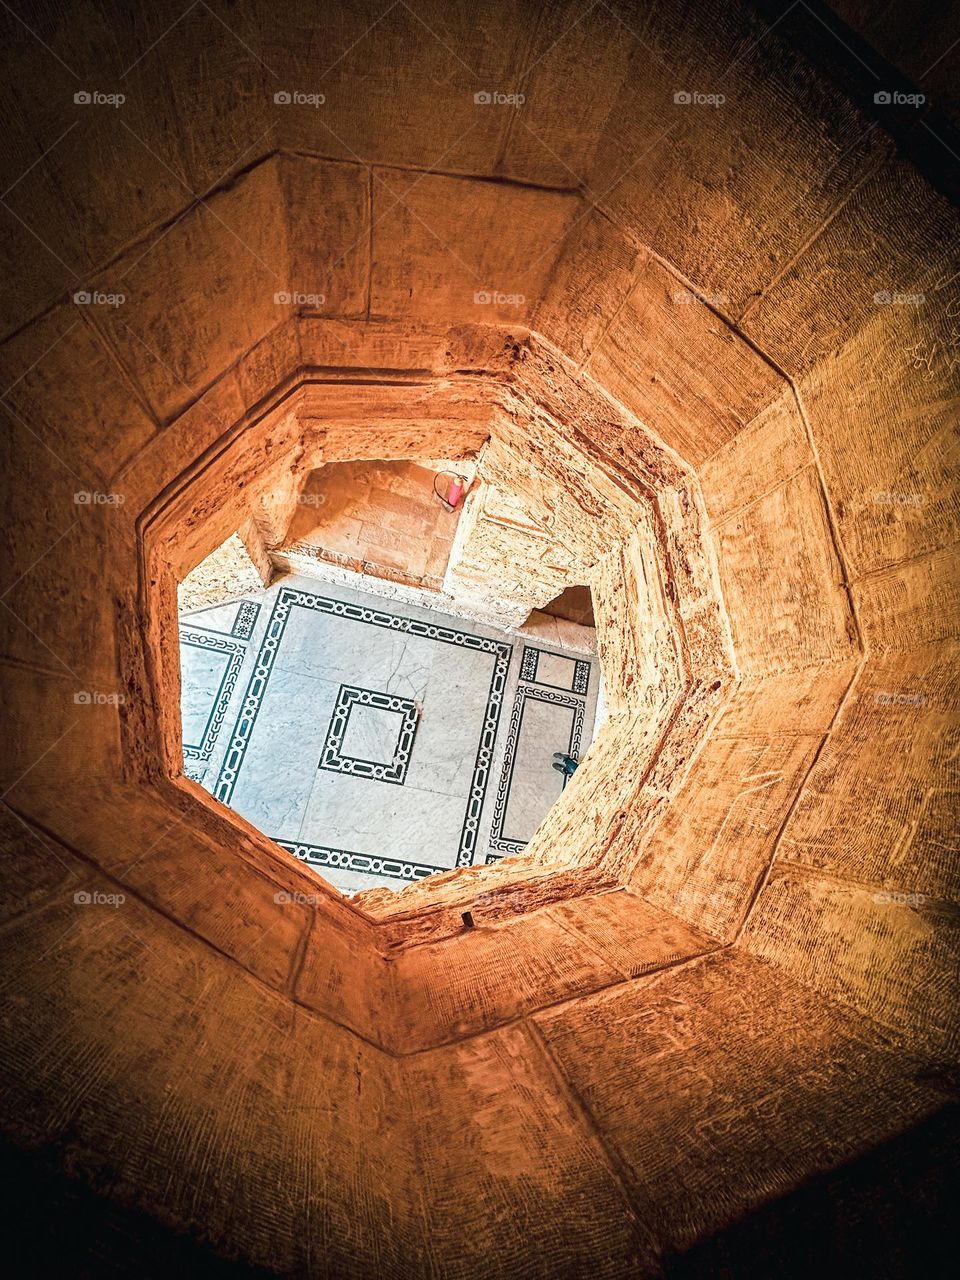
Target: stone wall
[723,971]
[227,573]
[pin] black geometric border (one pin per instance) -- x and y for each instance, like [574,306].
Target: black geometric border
[581,677]
[561,698]
[344,860]
[530,664]
[287,599]
[207,640]
[242,625]
[349,697]
[245,620]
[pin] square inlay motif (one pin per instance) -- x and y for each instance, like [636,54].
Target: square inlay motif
[371,735]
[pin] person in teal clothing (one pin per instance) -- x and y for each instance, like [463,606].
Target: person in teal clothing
[565,764]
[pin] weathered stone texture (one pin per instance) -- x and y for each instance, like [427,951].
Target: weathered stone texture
[495,1105]
[782,580]
[227,573]
[440,253]
[748,182]
[666,351]
[726,963]
[669,1069]
[868,948]
[169,337]
[894,749]
[883,412]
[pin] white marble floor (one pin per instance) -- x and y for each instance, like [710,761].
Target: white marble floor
[376,740]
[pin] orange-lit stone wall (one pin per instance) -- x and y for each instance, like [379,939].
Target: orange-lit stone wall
[724,971]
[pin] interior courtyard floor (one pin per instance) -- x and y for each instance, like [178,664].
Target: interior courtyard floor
[376,740]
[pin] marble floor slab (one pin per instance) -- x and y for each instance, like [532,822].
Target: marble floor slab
[531,784]
[203,673]
[378,741]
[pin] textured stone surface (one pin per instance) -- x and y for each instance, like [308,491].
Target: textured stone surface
[227,573]
[666,350]
[782,580]
[758,483]
[663,1069]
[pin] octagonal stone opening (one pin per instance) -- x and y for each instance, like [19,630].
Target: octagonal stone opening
[606,527]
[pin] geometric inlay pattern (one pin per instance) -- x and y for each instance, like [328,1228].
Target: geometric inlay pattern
[397,727]
[245,620]
[212,641]
[499,839]
[290,598]
[321,856]
[531,670]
